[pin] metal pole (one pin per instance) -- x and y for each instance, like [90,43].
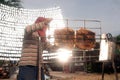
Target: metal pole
[114,68]
[84,61]
[39,61]
[84,24]
[115,72]
[103,64]
[67,22]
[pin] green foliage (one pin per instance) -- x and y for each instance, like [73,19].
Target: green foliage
[118,38]
[118,44]
[12,3]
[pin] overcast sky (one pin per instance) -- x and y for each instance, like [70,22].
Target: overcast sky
[107,11]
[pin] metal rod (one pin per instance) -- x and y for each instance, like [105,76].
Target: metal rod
[39,61]
[84,24]
[115,72]
[114,68]
[103,71]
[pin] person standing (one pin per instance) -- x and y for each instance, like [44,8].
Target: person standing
[28,68]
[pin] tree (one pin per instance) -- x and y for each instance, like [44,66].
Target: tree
[12,3]
[118,38]
[118,44]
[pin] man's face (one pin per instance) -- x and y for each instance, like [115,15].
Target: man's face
[42,33]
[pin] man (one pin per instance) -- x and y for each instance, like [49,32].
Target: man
[28,67]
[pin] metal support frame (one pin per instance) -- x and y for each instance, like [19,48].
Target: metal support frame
[110,38]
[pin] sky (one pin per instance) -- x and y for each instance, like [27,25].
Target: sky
[106,11]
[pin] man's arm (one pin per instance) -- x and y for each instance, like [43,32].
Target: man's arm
[35,27]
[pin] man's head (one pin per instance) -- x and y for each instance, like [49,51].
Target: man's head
[42,32]
[43,19]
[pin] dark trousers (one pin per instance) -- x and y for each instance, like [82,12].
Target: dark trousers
[28,73]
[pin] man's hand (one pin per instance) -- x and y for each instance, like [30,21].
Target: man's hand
[42,32]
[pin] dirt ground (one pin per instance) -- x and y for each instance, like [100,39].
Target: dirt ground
[78,76]
[83,76]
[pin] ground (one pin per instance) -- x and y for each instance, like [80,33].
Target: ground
[83,76]
[78,76]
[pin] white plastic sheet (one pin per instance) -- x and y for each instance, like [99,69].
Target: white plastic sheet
[107,48]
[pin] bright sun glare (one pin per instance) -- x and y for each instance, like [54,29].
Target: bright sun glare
[63,55]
